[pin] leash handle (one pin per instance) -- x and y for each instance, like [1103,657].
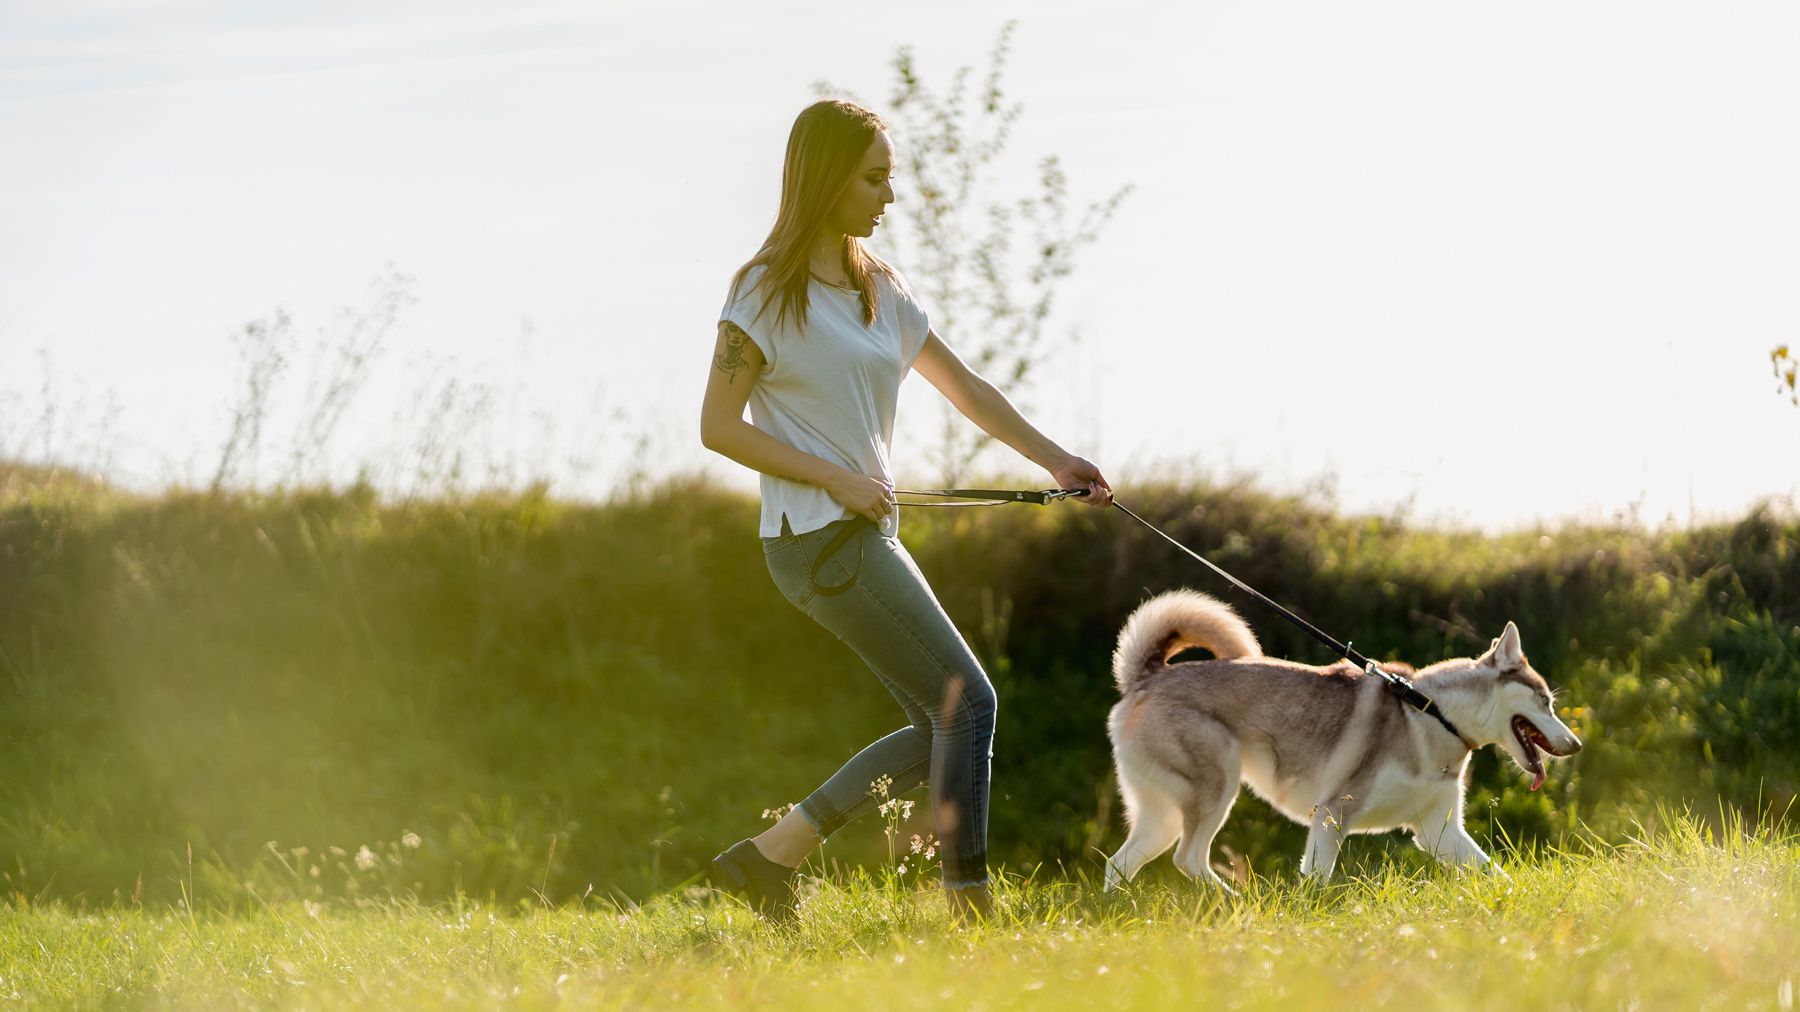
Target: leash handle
[852,529]
[989,496]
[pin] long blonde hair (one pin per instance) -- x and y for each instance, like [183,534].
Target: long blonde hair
[824,148]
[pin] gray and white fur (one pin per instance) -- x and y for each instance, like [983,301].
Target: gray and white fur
[1329,747]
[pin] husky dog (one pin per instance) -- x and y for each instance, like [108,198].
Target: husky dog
[1331,748]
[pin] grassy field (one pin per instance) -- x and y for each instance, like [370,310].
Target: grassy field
[1676,919]
[316,748]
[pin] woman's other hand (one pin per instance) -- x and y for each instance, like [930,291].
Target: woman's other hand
[1079,472]
[862,495]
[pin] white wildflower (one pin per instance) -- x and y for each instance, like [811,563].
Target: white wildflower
[366,859]
[410,840]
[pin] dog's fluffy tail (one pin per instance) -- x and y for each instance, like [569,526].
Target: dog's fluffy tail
[1172,622]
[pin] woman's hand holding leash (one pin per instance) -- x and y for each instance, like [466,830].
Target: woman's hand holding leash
[868,497]
[1079,472]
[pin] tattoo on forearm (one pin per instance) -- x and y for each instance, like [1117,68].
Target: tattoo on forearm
[797,481]
[731,360]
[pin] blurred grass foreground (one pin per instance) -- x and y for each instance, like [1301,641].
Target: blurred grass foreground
[226,698]
[1681,918]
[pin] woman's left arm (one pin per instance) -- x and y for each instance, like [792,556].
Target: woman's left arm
[983,403]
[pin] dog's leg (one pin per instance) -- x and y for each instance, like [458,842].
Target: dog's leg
[1447,840]
[1202,816]
[1155,823]
[1324,836]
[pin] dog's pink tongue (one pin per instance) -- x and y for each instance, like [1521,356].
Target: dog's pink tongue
[1537,780]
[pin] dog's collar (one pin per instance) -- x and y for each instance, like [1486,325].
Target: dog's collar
[1410,696]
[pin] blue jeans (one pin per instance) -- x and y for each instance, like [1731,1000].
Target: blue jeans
[887,613]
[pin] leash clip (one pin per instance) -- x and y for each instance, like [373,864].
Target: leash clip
[1401,687]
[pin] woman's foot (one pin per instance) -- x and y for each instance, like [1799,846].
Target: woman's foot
[970,905]
[788,841]
[765,884]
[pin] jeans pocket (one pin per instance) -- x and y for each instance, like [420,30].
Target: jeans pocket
[787,567]
[821,563]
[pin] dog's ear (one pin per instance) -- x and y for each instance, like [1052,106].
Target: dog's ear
[1506,652]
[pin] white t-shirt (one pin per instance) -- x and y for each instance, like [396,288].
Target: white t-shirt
[829,390]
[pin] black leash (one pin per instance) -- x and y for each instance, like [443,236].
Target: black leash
[1399,685]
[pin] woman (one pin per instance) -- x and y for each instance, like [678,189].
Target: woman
[815,336]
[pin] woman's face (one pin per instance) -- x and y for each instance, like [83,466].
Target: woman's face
[869,193]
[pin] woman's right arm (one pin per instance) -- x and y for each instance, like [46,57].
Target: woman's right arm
[736,363]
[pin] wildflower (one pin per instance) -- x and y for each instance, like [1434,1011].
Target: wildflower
[918,844]
[410,840]
[881,785]
[366,859]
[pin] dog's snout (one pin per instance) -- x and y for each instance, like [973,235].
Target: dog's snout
[1574,743]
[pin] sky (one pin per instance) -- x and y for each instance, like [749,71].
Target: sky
[1486,265]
